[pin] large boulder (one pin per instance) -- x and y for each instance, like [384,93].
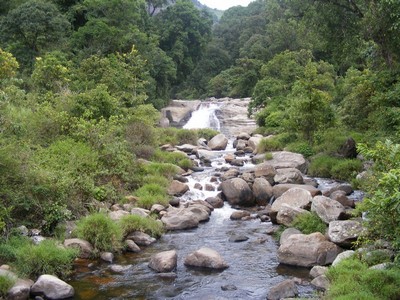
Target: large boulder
[177,188]
[288,232]
[85,248]
[285,159]
[295,197]
[341,197]
[179,219]
[348,149]
[52,287]
[288,175]
[20,290]
[179,111]
[206,258]
[164,262]
[216,202]
[231,173]
[279,189]
[141,238]
[118,214]
[266,171]
[307,250]
[287,214]
[262,191]
[344,233]
[285,289]
[218,142]
[237,192]
[208,155]
[327,209]
[254,141]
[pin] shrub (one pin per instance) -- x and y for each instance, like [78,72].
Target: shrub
[300,147]
[148,225]
[46,258]
[206,133]
[352,279]
[269,144]
[150,194]
[99,230]
[332,167]
[174,158]
[6,283]
[187,136]
[309,223]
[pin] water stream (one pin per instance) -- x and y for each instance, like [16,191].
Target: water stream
[253,266]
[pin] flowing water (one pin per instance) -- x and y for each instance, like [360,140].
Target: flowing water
[253,266]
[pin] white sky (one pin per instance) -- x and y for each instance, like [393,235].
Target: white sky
[224,4]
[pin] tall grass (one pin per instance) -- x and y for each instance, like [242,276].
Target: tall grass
[352,279]
[148,225]
[309,223]
[99,230]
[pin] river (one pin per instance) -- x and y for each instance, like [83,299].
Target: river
[253,266]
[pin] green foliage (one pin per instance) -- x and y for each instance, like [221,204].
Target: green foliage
[8,65]
[352,279]
[269,144]
[309,223]
[206,133]
[175,158]
[46,258]
[303,148]
[383,193]
[333,167]
[6,283]
[99,230]
[150,194]
[147,225]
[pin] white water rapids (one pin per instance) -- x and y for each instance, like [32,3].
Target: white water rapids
[204,117]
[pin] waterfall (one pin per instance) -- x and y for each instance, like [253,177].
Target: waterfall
[204,117]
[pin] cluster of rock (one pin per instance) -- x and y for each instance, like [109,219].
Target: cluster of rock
[46,286]
[280,181]
[166,262]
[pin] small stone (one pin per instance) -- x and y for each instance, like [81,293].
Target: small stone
[107,256]
[228,287]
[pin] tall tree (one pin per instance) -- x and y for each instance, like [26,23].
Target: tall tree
[184,32]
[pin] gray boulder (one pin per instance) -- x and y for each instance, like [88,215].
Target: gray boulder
[318,271]
[179,219]
[216,202]
[288,175]
[203,154]
[243,136]
[327,209]
[254,141]
[307,250]
[239,214]
[285,289]
[342,256]
[279,189]
[118,214]
[321,282]
[231,173]
[295,197]
[262,191]
[288,232]
[341,197]
[131,246]
[20,290]
[285,159]
[237,192]
[85,248]
[107,257]
[206,258]
[287,214]
[177,188]
[218,142]
[344,233]
[265,170]
[164,262]
[141,238]
[52,287]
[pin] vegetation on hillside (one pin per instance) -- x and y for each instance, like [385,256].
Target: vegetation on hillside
[82,82]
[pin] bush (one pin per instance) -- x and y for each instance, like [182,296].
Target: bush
[269,144]
[99,230]
[46,258]
[309,223]
[174,158]
[150,194]
[6,283]
[206,133]
[187,136]
[300,147]
[332,167]
[148,225]
[352,279]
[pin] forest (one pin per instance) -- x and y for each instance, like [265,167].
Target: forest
[82,83]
